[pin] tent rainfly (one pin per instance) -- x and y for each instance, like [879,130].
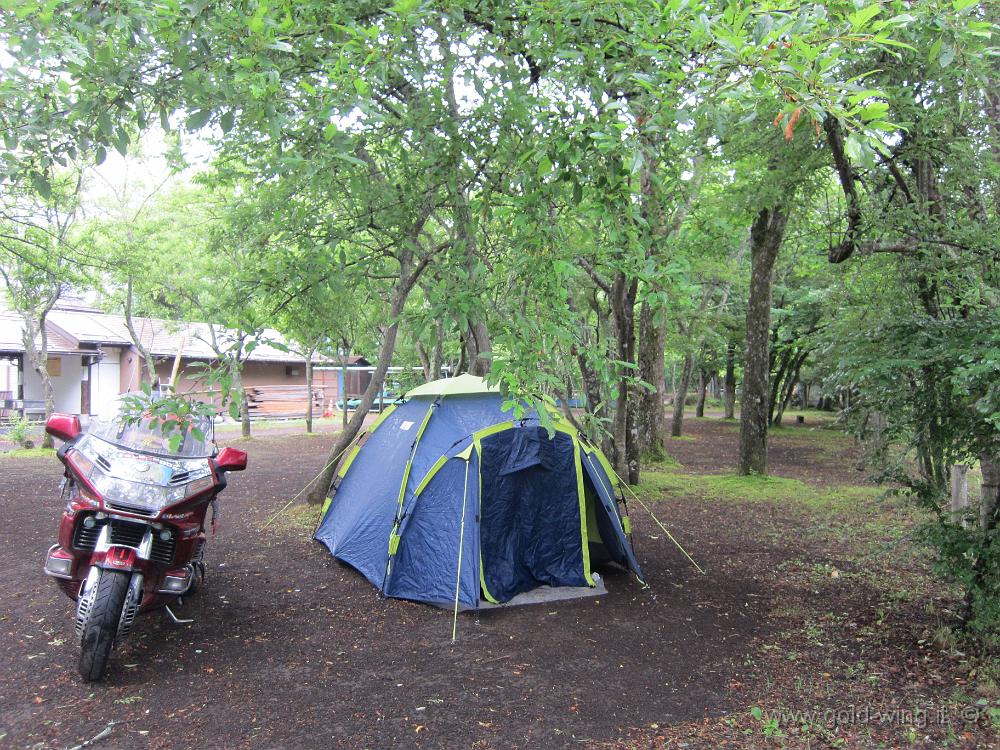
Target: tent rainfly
[448,500]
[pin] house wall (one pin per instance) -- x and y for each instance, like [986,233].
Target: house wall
[66,384]
[8,377]
[105,379]
[254,374]
[128,370]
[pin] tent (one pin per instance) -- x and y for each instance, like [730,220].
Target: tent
[447,499]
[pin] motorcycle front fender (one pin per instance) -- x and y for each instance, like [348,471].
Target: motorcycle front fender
[116,558]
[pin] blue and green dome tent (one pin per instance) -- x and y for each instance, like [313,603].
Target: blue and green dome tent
[447,499]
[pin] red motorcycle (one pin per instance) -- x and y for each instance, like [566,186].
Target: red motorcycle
[132,536]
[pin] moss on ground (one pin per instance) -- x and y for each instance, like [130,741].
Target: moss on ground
[29,453]
[661,481]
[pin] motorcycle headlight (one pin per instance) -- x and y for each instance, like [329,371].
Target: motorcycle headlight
[148,496]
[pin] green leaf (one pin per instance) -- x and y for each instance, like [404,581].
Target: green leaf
[874,110]
[935,50]
[227,121]
[947,57]
[100,154]
[198,119]
[41,184]
[860,19]
[349,158]
[960,5]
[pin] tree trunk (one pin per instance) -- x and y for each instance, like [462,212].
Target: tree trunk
[437,353]
[425,361]
[766,235]
[478,342]
[147,357]
[699,410]
[234,369]
[988,516]
[959,493]
[309,390]
[652,416]
[322,484]
[730,382]
[626,448]
[38,357]
[680,397]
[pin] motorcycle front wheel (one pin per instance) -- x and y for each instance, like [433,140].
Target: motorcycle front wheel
[101,627]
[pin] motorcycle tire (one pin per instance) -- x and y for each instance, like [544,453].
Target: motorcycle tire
[102,626]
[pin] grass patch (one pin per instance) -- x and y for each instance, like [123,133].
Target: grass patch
[30,453]
[735,488]
[302,517]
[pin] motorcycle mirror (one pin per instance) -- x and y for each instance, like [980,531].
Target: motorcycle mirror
[63,426]
[231,459]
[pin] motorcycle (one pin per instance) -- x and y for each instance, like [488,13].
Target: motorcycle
[132,536]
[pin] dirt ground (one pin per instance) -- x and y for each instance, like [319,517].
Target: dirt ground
[291,649]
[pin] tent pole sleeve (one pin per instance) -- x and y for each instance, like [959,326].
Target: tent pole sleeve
[461,547]
[584,539]
[482,574]
[409,461]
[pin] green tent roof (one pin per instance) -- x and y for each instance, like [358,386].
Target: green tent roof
[453,387]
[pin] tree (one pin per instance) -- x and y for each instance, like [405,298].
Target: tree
[36,263]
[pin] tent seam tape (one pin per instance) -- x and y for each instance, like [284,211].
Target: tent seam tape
[582,499]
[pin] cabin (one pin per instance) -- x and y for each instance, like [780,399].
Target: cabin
[92,360]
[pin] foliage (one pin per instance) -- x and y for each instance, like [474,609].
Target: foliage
[518,188]
[17,430]
[175,417]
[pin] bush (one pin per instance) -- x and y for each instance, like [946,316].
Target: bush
[17,431]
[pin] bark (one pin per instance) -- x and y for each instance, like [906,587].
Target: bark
[593,392]
[652,415]
[309,390]
[147,357]
[702,393]
[408,277]
[626,448]
[766,235]
[38,356]
[235,371]
[425,361]
[437,353]
[730,381]
[845,172]
[680,397]
[478,343]
[988,517]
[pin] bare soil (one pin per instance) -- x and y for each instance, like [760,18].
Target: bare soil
[291,649]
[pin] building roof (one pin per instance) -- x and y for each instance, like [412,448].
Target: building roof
[76,328]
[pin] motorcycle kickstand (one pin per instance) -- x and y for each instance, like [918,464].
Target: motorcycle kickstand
[177,620]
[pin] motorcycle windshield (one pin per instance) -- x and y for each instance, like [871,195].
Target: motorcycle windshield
[143,439]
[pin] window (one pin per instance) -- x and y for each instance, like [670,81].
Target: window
[53,366]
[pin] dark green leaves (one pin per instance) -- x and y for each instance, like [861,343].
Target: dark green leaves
[198,119]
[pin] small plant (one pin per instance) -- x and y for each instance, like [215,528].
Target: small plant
[769,726]
[18,430]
